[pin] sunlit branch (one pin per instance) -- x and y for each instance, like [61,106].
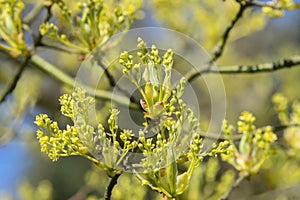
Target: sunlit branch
[59,75]
[246,69]
[107,73]
[269,4]
[220,136]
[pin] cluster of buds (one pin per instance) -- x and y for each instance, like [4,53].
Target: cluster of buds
[11,28]
[277,8]
[254,148]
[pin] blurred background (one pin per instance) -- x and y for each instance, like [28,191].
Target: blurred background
[25,172]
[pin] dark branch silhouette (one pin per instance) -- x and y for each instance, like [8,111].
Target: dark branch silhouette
[113,182]
[218,50]
[19,73]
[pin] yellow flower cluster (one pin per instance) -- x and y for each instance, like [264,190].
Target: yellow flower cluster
[93,23]
[55,142]
[289,116]
[254,147]
[11,28]
[276,8]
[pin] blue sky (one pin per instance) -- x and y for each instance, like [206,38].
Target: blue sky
[13,165]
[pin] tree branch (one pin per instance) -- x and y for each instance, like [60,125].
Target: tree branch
[113,182]
[15,80]
[216,136]
[28,56]
[113,83]
[283,127]
[245,69]
[59,75]
[109,76]
[59,48]
[218,50]
[263,4]
[48,16]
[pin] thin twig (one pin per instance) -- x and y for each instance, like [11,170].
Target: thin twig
[61,76]
[48,16]
[59,48]
[283,127]
[218,50]
[235,185]
[263,4]
[15,80]
[113,182]
[28,56]
[221,137]
[265,67]
[245,69]
[106,71]
[113,83]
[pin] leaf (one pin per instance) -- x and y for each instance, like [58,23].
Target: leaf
[182,183]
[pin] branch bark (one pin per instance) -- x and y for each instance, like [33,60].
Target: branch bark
[216,136]
[15,80]
[245,69]
[263,4]
[113,182]
[218,50]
